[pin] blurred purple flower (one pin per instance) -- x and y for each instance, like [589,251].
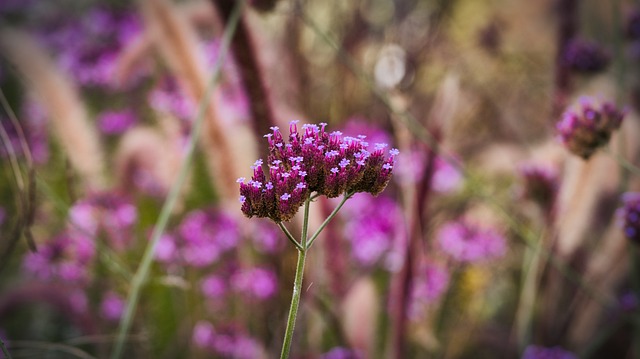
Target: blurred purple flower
[266,238]
[168,98]
[203,334]
[227,343]
[588,127]
[88,47]
[111,213]
[628,302]
[65,257]
[630,216]
[446,177]
[341,353]
[540,183]
[112,306]
[429,284]
[213,286]
[538,352]
[207,234]
[116,122]
[372,226]
[258,283]
[166,251]
[586,56]
[469,243]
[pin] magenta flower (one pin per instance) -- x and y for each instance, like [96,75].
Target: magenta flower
[108,213]
[227,342]
[213,286]
[88,47]
[65,257]
[373,225]
[468,243]
[430,283]
[116,122]
[312,161]
[258,283]
[206,235]
[589,127]
[630,216]
[112,306]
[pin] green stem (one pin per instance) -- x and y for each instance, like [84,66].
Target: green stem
[326,221]
[4,350]
[290,236]
[624,163]
[297,285]
[142,273]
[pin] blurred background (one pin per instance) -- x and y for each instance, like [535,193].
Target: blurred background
[496,237]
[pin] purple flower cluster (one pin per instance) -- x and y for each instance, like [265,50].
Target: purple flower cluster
[312,161]
[112,306]
[105,213]
[257,283]
[116,122]
[89,47]
[585,56]
[538,352]
[589,127]
[226,343]
[630,215]
[373,225]
[202,237]
[430,283]
[469,243]
[65,258]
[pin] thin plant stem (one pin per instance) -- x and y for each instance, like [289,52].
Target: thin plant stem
[290,236]
[326,221]
[140,277]
[297,285]
[624,162]
[4,350]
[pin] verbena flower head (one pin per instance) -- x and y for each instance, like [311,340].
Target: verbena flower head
[586,128]
[586,57]
[630,216]
[469,243]
[312,160]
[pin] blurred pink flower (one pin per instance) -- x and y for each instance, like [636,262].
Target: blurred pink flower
[112,306]
[65,257]
[258,283]
[466,242]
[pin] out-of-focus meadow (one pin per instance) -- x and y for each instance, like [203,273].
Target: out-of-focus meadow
[510,227]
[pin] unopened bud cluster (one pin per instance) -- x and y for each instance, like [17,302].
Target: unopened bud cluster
[589,127]
[312,161]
